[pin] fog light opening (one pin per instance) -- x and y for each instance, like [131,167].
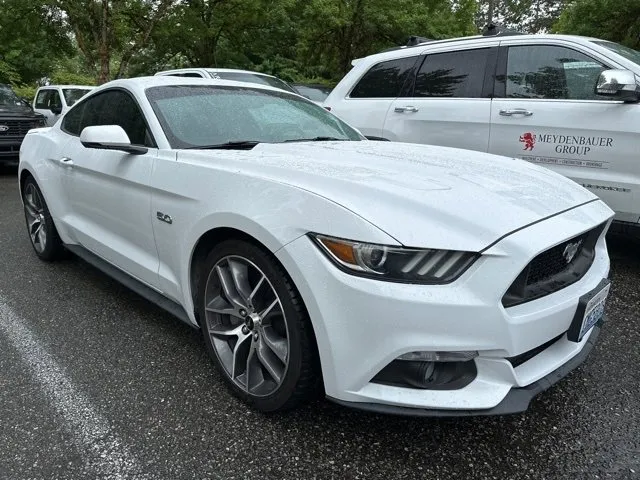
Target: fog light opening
[427,375]
[463,356]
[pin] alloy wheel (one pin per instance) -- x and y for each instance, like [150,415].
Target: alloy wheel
[36,219]
[247,325]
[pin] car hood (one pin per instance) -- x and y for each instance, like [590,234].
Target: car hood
[17,111]
[423,196]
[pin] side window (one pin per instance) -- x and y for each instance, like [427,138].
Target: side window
[118,108]
[384,80]
[452,74]
[551,72]
[72,121]
[55,99]
[42,100]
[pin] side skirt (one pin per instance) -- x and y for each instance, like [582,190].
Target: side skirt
[131,283]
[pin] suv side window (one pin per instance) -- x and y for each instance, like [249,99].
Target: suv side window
[551,72]
[452,74]
[385,79]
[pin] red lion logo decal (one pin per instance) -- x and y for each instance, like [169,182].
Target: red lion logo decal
[529,140]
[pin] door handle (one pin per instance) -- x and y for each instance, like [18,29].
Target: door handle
[516,111]
[408,108]
[66,162]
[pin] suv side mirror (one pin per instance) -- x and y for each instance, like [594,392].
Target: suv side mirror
[56,109]
[619,84]
[109,137]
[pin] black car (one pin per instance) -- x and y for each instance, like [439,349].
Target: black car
[16,119]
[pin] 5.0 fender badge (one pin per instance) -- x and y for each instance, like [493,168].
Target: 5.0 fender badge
[164,218]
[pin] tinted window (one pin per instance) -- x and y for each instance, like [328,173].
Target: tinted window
[113,107]
[551,72]
[194,116]
[189,74]
[8,97]
[452,74]
[384,80]
[71,122]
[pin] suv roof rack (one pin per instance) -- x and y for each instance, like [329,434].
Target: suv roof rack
[495,30]
[413,41]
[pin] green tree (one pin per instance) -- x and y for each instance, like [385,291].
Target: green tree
[109,33]
[530,16]
[614,20]
[32,39]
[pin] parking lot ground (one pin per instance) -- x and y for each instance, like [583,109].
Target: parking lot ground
[95,382]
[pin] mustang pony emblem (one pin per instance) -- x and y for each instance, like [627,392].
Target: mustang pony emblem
[529,140]
[4,128]
[570,250]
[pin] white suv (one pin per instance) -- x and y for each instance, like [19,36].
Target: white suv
[566,102]
[247,76]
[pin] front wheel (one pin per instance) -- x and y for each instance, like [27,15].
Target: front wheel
[42,231]
[255,327]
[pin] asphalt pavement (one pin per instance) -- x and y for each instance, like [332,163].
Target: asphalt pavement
[95,382]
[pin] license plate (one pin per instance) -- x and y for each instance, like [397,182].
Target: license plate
[590,311]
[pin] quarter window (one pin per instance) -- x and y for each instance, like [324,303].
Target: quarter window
[452,74]
[551,72]
[384,80]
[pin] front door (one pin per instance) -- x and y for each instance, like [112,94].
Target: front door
[448,104]
[109,191]
[547,112]
[48,100]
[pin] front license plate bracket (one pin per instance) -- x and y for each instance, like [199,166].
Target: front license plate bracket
[589,312]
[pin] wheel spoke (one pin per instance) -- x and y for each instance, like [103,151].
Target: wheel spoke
[239,360]
[256,288]
[268,361]
[42,236]
[266,311]
[30,208]
[276,344]
[229,289]
[225,332]
[221,306]
[240,275]
[253,372]
[34,226]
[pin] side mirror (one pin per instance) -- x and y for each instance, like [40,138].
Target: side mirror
[618,84]
[109,137]
[56,109]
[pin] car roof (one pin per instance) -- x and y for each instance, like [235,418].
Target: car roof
[89,87]
[214,70]
[142,83]
[402,51]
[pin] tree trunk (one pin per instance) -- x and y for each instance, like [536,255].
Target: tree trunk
[104,51]
[490,11]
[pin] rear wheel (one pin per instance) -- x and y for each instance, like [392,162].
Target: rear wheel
[42,232]
[255,327]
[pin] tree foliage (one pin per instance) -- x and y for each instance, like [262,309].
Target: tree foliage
[609,19]
[92,41]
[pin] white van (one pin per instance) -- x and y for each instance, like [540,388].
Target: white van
[566,102]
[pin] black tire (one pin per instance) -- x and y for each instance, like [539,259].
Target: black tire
[301,380]
[32,196]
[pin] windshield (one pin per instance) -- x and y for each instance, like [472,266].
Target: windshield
[72,95]
[253,78]
[199,116]
[8,97]
[317,94]
[626,52]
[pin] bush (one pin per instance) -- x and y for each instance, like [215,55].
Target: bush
[25,91]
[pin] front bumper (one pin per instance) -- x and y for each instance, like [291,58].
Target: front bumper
[10,148]
[361,325]
[516,401]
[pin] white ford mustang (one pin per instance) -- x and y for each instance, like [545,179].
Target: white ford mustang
[402,278]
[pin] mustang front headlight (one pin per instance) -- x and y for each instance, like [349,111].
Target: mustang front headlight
[396,264]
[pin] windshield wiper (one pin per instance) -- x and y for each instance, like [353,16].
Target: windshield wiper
[236,144]
[316,139]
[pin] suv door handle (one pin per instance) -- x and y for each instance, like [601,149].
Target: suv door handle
[408,108]
[516,111]
[66,162]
